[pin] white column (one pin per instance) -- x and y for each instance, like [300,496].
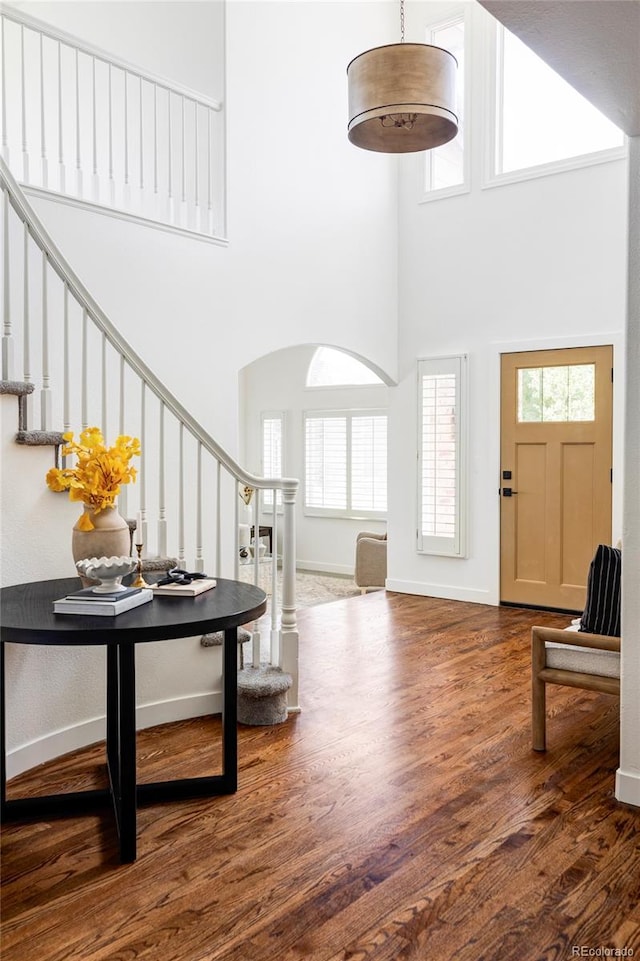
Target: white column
[628,774]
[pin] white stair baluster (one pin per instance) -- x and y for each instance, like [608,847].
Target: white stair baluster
[78,157]
[7,341]
[218,520]
[123,496]
[26,333]
[95,180]
[162,514]
[84,385]
[142,475]
[181,549]
[199,561]
[43,131]
[3,93]
[61,170]
[45,396]
[196,171]
[275,635]
[126,192]
[25,149]
[112,183]
[141,125]
[255,647]
[209,229]
[66,378]
[155,144]
[170,204]
[184,213]
[105,406]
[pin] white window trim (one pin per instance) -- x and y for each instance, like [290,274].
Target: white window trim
[272,415]
[457,545]
[494,33]
[426,196]
[348,513]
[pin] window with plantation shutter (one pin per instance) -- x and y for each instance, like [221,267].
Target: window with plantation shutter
[272,453]
[346,463]
[442,456]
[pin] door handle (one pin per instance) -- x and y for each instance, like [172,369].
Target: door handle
[508,492]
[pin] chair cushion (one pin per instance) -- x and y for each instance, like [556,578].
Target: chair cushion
[602,610]
[582,660]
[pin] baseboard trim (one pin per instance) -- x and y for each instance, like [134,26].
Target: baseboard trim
[445,591]
[317,567]
[628,787]
[81,735]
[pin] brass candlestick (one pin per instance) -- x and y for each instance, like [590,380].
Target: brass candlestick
[139,581]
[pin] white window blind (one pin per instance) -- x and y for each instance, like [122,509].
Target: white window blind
[272,453]
[442,455]
[346,463]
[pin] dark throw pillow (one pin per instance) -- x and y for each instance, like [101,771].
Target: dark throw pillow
[602,610]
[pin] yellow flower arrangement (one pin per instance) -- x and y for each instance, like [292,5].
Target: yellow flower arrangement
[99,473]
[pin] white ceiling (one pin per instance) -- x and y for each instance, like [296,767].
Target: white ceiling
[593,44]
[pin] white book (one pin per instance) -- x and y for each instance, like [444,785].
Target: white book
[196,587]
[68,605]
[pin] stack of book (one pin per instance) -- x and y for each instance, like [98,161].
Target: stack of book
[102,605]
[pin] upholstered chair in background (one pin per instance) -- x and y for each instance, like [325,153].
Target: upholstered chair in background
[371,560]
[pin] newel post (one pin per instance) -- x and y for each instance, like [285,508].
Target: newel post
[288,623]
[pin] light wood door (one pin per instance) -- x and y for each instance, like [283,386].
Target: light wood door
[555,475]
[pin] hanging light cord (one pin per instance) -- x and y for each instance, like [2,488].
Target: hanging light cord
[401,21]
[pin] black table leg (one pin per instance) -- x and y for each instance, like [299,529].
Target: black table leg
[230,711]
[126,717]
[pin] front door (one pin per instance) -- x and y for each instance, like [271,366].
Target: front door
[555,475]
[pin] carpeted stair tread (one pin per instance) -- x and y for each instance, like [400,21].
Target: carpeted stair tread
[151,564]
[262,695]
[40,438]
[19,388]
[216,638]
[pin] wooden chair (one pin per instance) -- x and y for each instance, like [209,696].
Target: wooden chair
[575,659]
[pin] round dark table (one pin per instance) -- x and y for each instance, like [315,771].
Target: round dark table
[26,617]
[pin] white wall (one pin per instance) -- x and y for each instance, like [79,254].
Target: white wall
[145,34]
[312,257]
[277,383]
[312,220]
[536,264]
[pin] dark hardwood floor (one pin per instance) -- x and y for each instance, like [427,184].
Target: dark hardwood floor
[402,815]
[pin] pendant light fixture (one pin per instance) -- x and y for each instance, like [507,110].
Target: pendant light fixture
[402,97]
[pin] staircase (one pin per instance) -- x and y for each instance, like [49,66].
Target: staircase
[69,368]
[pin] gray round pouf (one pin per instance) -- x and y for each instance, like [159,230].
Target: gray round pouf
[262,695]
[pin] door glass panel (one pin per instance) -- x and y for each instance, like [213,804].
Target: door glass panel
[547,394]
